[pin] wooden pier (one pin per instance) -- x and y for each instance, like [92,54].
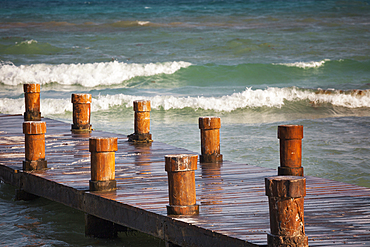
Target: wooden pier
[233,207]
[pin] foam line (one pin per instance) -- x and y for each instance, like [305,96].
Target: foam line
[87,75]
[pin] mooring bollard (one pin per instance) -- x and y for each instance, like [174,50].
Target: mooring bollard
[102,163]
[142,122]
[81,113]
[210,139]
[32,102]
[290,150]
[34,145]
[181,184]
[286,206]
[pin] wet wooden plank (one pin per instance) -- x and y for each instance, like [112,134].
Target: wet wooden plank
[231,196]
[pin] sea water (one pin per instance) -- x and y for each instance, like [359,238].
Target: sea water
[256,64]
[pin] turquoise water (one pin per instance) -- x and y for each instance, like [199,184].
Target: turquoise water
[256,64]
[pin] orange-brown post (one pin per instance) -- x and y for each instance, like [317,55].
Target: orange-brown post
[181,184]
[102,163]
[286,206]
[34,145]
[142,122]
[290,150]
[210,139]
[32,102]
[81,112]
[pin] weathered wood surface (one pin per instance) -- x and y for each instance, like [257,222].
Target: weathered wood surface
[233,205]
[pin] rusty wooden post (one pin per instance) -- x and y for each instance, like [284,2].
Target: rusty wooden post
[210,139]
[290,150]
[286,200]
[142,122]
[34,145]
[181,184]
[81,113]
[102,163]
[32,102]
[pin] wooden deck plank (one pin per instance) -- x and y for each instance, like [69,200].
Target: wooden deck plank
[231,196]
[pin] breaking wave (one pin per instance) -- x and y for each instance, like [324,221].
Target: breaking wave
[87,75]
[305,65]
[249,98]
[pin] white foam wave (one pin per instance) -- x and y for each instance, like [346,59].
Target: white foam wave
[305,65]
[28,42]
[87,75]
[270,97]
[142,23]
[47,106]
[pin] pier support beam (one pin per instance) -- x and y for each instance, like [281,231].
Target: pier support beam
[32,102]
[34,145]
[99,228]
[81,113]
[20,194]
[210,139]
[286,206]
[142,122]
[181,184]
[290,150]
[102,163]
[169,244]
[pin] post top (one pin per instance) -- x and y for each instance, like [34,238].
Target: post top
[180,162]
[103,144]
[289,132]
[209,122]
[34,127]
[142,105]
[285,186]
[31,88]
[82,98]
